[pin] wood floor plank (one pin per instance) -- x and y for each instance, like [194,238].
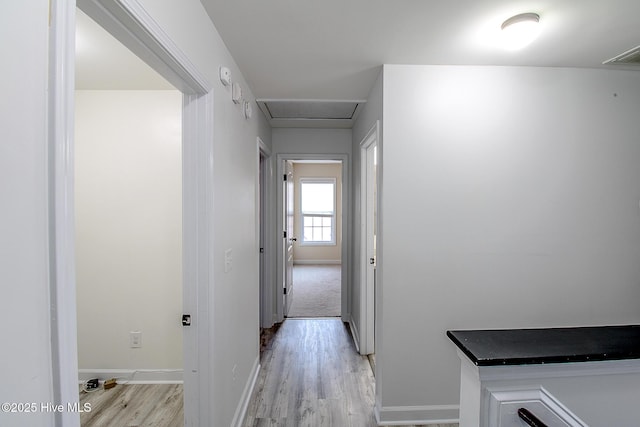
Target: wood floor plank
[135,405]
[307,376]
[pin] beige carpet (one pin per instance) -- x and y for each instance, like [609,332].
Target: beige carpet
[316,291]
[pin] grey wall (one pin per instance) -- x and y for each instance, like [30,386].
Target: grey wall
[311,141]
[510,200]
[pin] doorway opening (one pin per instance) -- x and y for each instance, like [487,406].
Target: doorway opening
[312,214]
[128,212]
[137,30]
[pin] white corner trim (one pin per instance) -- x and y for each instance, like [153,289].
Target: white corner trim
[241,410]
[61,238]
[417,415]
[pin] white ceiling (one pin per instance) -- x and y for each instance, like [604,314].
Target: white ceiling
[332,49]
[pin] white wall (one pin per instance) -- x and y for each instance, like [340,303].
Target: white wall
[318,254]
[128,183]
[510,200]
[24,308]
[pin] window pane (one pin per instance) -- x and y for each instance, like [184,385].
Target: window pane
[308,234]
[326,221]
[317,197]
[326,234]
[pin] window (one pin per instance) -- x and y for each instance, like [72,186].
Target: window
[317,203]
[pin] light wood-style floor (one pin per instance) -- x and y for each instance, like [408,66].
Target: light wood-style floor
[310,376]
[135,405]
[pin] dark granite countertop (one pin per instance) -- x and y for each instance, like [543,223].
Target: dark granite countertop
[549,345]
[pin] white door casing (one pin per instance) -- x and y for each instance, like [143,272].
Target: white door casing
[129,22]
[266,232]
[288,234]
[368,231]
[346,229]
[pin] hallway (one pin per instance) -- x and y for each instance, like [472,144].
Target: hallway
[312,376]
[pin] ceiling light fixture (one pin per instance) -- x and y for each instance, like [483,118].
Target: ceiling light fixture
[520,30]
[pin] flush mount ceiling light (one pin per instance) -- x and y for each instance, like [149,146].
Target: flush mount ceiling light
[520,30]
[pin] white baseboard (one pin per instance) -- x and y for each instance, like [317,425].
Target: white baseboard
[241,410]
[317,261]
[417,415]
[133,376]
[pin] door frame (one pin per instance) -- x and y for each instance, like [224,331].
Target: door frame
[133,26]
[288,225]
[367,290]
[345,248]
[266,232]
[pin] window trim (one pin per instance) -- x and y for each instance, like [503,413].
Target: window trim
[333,215]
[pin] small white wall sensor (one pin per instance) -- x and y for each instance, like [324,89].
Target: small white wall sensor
[247,110]
[236,93]
[225,76]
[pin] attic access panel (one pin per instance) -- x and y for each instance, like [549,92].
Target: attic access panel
[319,110]
[630,57]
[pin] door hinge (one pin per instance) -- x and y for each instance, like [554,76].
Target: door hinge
[285,291]
[285,234]
[285,177]
[261,250]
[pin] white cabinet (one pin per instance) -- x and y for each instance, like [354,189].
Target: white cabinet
[579,394]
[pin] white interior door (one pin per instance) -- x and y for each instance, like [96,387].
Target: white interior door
[289,236]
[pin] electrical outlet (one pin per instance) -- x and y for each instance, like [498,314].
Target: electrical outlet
[135,339]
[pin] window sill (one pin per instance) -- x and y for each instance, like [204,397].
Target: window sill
[317,244]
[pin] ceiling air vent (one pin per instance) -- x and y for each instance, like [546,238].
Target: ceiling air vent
[630,57]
